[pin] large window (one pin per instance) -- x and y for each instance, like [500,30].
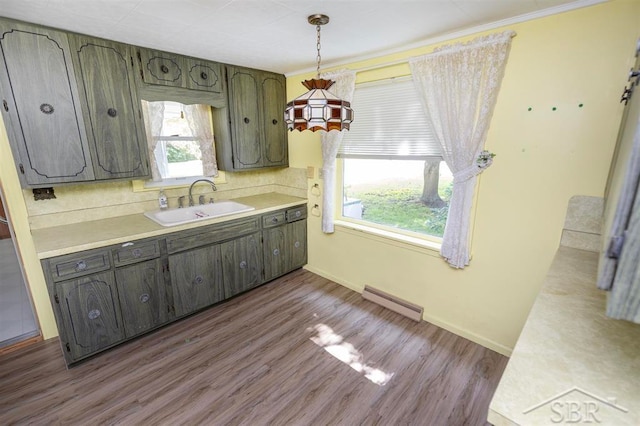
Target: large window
[393,173]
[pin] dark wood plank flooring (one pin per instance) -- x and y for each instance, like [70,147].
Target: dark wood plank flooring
[300,350]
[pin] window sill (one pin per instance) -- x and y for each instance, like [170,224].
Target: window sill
[388,237]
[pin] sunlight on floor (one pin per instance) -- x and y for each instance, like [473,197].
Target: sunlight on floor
[345,352]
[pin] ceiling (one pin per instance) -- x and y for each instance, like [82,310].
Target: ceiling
[274,34]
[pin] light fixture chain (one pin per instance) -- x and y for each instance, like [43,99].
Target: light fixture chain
[318,58]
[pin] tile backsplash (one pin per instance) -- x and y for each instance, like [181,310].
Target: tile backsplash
[80,203]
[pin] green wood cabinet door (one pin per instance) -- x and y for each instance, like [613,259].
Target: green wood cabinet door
[90,314]
[251,133]
[111,106]
[41,106]
[296,245]
[142,297]
[170,69]
[204,75]
[246,127]
[275,252]
[162,68]
[285,248]
[242,264]
[196,278]
[276,152]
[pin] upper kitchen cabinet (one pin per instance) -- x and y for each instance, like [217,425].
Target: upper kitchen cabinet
[41,106]
[111,108]
[70,107]
[251,132]
[160,72]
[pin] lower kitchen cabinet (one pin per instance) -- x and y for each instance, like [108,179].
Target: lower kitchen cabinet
[196,279]
[104,296]
[296,245]
[241,264]
[142,296]
[89,314]
[285,242]
[275,261]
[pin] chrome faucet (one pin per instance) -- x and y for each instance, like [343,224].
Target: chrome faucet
[213,186]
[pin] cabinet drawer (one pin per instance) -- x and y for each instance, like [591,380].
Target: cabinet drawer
[212,234]
[273,219]
[296,213]
[135,251]
[78,264]
[203,75]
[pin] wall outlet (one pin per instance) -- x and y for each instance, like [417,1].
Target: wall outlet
[311,172]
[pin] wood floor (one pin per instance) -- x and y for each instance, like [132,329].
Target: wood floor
[300,350]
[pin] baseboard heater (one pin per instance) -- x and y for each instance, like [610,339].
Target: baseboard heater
[393,303]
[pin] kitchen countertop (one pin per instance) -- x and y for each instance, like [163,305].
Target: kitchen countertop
[571,363]
[65,239]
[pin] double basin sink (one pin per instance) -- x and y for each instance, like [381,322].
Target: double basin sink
[180,216]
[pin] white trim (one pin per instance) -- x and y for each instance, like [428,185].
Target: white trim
[390,237]
[454,35]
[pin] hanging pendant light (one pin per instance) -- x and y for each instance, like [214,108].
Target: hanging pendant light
[318,109]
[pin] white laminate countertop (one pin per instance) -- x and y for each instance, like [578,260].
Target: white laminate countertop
[65,239]
[571,364]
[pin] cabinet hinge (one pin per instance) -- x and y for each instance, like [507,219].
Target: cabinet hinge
[56,298]
[21,167]
[68,347]
[5,105]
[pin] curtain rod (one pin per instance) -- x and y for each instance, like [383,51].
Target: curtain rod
[384,65]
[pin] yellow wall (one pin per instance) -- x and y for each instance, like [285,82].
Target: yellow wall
[543,158]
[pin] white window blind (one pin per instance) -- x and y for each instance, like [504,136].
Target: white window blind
[389,123]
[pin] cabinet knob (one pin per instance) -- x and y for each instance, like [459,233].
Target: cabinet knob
[298,213]
[203,75]
[47,109]
[246,120]
[274,220]
[296,244]
[94,314]
[198,279]
[111,112]
[136,252]
[81,265]
[144,298]
[243,264]
[274,121]
[276,252]
[164,69]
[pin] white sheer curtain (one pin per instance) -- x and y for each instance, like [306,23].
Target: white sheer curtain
[199,119]
[345,83]
[153,113]
[458,85]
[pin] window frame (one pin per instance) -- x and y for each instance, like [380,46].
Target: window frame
[412,238]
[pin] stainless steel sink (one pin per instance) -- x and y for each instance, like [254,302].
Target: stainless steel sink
[181,216]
